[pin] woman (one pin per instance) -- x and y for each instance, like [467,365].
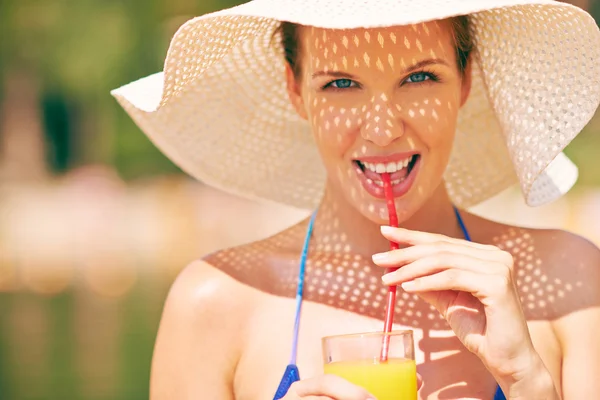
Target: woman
[457,100]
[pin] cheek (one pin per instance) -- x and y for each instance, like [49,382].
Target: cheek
[334,125]
[431,114]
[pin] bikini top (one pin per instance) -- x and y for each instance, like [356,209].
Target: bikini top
[292,374]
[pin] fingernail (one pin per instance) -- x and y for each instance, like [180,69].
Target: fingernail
[379,257]
[386,229]
[387,278]
[408,285]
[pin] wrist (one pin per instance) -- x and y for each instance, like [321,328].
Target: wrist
[532,382]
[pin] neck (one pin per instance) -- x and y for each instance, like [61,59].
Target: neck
[339,223]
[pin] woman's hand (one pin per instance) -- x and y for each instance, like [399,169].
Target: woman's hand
[472,287]
[330,387]
[326,387]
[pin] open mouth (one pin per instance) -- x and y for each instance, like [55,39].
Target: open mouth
[398,170]
[402,169]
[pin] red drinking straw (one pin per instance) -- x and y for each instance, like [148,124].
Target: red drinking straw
[391,303]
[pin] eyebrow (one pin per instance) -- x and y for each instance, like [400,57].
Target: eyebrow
[426,62]
[334,74]
[413,67]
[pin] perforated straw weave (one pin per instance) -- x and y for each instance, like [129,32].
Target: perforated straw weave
[221,112]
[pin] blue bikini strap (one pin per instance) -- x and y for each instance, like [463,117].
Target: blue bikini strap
[300,287]
[291,373]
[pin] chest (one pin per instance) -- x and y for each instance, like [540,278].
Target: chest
[447,368]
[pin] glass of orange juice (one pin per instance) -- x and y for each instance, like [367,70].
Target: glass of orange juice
[357,358]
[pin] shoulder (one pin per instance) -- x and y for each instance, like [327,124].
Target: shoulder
[571,294]
[202,292]
[570,279]
[567,246]
[557,275]
[268,265]
[556,272]
[573,263]
[200,335]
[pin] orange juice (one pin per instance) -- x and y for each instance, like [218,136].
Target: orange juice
[395,379]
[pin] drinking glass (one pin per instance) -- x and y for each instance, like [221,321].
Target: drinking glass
[358,359]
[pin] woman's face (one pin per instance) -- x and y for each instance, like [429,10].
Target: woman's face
[381,100]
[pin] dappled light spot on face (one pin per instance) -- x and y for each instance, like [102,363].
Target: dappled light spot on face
[373,105]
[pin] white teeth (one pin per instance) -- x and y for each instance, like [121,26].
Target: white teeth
[389,167]
[370,166]
[380,183]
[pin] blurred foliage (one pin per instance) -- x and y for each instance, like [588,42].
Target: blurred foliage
[80,50]
[583,151]
[54,369]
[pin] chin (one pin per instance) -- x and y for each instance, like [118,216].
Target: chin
[376,210]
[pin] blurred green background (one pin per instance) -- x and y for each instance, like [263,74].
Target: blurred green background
[95,223]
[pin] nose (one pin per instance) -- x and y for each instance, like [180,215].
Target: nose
[382,124]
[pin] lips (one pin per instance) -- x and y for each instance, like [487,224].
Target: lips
[402,170]
[398,169]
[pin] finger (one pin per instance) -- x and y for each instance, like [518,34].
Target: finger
[419,381]
[401,235]
[317,398]
[437,263]
[294,396]
[437,299]
[480,286]
[332,386]
[398,258]
[439,344]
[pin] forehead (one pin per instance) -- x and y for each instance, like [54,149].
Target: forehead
[377,47]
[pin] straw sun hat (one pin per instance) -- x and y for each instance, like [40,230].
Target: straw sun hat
[220,109]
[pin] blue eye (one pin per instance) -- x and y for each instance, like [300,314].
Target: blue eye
[341,84]
[418,77]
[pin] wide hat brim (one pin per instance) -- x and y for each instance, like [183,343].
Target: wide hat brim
[221,112]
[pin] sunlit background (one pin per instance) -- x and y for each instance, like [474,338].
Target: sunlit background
[95,223]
